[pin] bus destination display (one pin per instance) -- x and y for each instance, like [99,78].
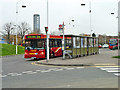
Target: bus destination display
[33,36]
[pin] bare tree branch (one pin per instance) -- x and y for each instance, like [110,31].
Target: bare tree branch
[23,28]
[7,28]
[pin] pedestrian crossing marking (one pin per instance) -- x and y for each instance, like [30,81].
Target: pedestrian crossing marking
[111,69]
[117,74]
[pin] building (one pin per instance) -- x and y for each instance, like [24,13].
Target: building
[36,23]
[84,34]
[104,39]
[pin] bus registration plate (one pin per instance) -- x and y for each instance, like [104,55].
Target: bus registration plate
[32,53]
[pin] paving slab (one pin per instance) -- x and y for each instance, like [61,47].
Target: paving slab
[103,58]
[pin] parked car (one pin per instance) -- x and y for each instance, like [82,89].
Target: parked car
[105,46]
[100,46]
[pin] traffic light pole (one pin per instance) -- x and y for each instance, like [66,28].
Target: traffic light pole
[47,35]
[63,43]
[47,47]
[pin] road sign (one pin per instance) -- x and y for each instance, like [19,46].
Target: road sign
[60,26]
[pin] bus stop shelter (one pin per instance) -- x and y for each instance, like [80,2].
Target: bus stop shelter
[79,46]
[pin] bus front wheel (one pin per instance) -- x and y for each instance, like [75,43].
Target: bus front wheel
[52,54]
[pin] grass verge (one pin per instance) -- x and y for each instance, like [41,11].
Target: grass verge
[8,49]
[116,57]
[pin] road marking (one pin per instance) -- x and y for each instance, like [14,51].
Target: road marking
[58,69]
[117,74]
[10,73]
[109,68]
[38,70]
[4,76]
[31,72]
[14,74]
[19,74]
[45,71]
[27,72]
[80,67]
[70,68]
[113,71]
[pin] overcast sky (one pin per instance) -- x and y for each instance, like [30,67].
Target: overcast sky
[64,10]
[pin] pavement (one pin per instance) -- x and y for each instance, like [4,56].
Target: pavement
[103,58]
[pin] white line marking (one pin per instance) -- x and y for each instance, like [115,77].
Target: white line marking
[31,72]
[109,68]
[58,69]
[80,67]
[38,70]
[19,74]
[116,74]
[14,75]
[112,71]
[4,76]
[10,73]
[69,68]
[45,71]
[27,72]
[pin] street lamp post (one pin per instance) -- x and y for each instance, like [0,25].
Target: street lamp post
[47,35]
[23,6]
[118,18]
[118,25]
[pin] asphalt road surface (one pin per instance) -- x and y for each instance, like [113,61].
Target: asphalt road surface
[18,73]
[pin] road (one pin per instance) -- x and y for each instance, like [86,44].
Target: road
[18,73]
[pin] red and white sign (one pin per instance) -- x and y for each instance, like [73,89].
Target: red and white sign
[60,26]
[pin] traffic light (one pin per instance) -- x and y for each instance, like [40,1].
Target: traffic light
[46,29]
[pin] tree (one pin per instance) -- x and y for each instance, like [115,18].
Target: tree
[23,29]
[7,30]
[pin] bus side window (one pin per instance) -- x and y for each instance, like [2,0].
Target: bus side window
[58,43]
[51,45]
[28,44]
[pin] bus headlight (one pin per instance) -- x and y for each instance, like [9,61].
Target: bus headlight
[42,53]
[26,53]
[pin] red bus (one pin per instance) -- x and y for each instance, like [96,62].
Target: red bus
[113,43]
[35,46]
